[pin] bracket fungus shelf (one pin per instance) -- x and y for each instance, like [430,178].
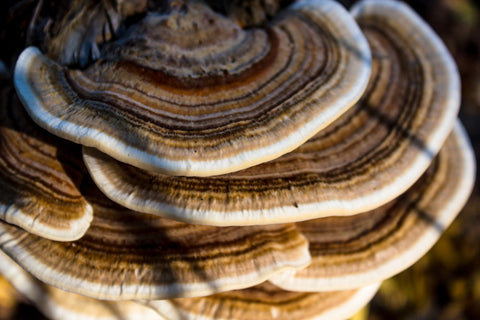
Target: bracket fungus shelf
[350,252]
[58,304]
[367,157]
[266,301]
[39,176]
[168,96]
[270,302]
[219,169]
[127,255]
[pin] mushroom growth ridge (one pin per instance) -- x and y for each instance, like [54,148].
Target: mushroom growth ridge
[234,160]
[39,176]
[364,159]
[169,97]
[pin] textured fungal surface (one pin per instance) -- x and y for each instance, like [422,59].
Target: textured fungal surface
[39,176]
[266,301]
[128,255]
[367,157]
[58,304]
[251,159]
[168,96]
[349,252]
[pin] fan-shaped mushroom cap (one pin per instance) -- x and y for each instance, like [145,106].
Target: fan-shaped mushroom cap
[265,301]
[58,304]
[39,174]
[191,93]
[350,252]
[127,255]
[367,157]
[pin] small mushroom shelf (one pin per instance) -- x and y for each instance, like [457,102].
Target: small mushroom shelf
[205,165]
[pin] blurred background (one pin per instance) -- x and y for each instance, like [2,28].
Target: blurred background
[445,284]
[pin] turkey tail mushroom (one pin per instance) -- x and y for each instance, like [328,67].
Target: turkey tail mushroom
[367,157]
[170,97]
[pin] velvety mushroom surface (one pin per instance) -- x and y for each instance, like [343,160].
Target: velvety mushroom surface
[266,301]
[367,157]
[168,96]
[128,255]
[350,252]
[57,304]
[39,176]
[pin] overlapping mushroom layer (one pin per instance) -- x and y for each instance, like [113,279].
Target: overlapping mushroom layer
[267,301]
[218,99]
[169,96]
[39,176]
[127,255]
[367,157]
[58,304]
[349,252]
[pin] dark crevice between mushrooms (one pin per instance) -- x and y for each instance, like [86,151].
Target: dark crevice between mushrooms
[249,13]
[394,126]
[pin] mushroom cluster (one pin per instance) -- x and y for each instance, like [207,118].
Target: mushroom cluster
[197,164]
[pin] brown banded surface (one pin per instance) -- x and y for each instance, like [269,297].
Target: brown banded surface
[57,304]
[39,175]
[266,301]
[350,252]
[72,32]
[128,255]
[191,93]
[367,157]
